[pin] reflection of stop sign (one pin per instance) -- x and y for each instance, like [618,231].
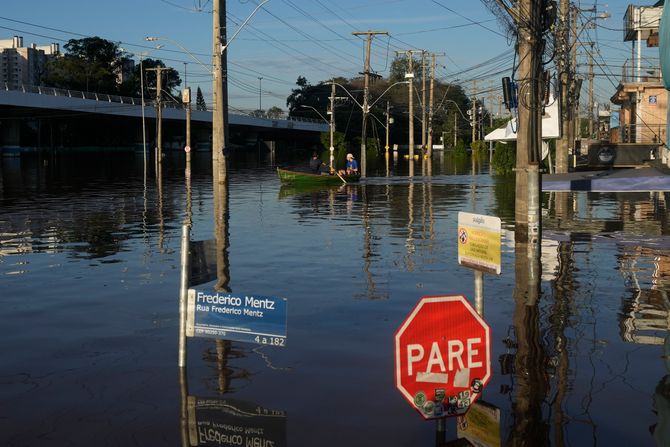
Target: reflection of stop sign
[442,356]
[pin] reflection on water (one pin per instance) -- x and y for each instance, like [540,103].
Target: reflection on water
[89,279]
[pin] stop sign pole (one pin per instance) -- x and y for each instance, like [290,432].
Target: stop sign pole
[442,356]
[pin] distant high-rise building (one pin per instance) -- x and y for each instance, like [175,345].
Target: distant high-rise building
[24,65]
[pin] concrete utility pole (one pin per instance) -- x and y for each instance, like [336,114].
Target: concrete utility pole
[159,114]
[410,92]
[455,129]
[423,101]
[574,97]
[186,99]
[388,121]
[219,92]
[529,133]
[591,91]
[429,149]
[366,94]
[562,46]
[332,124]
[473,118]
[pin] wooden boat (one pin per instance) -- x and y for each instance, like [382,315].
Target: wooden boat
[307,178]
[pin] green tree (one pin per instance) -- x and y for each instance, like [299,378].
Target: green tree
[200,103]
[89,64]
[274,113]
[171,79]
[504,157]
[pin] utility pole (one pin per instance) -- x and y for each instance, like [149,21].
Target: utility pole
[410,91]
[429,149]
[159,114]
[260,93]
[455,129]
[332,124]
[527,211]
[388,111]
[366,94]
[186,100]
[564,69]
[423,101]
[219,92]
[574,97]
[591,91]
[473,118]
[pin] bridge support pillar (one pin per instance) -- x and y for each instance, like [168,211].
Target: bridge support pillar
[10,131]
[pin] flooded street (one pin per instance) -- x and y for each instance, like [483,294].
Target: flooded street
[89,287]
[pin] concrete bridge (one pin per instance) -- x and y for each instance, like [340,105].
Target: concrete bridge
[34,117]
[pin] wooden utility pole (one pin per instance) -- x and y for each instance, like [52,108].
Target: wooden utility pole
[219,92]
[366,94]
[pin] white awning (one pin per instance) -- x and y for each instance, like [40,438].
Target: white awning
[550,126]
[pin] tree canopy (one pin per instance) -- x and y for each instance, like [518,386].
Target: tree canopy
[98,65]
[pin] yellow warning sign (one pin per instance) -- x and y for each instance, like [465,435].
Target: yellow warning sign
[479,242]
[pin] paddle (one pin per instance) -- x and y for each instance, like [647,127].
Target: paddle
[336,173]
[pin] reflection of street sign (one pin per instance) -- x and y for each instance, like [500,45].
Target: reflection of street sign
[479,242]
[203,262]
[480,425]
[253,319]
[442,356]
[220,422]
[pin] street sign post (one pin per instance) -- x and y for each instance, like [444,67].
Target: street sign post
[240,317]
[442,356]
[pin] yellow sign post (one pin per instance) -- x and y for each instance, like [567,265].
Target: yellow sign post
[479,242]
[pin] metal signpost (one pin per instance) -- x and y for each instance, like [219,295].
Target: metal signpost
[442,356]
[240,317]
[479,249]
[479,242]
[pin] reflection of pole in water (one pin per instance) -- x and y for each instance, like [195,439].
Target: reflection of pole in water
[409,242]
[183,408]
[559,318]
[528,424]
[221,218]
[161,219]
[367,245]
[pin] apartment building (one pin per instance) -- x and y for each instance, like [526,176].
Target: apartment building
[21,65]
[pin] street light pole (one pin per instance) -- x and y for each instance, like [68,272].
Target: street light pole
[260,93]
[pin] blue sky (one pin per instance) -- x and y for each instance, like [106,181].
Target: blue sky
[291,38]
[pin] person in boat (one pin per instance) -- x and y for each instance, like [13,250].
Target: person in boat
[351,167]
[316,165]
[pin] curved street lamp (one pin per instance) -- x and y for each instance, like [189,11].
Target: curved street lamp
[366,109]
[331,127]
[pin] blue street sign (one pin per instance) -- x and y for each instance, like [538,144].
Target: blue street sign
[241,317]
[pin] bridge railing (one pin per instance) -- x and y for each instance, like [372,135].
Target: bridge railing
[53,91]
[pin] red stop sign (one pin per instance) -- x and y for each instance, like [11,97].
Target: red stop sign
[442,356]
